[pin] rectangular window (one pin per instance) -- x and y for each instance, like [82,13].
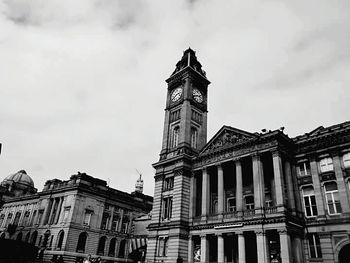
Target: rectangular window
[167,208]
[309,201]
[249,202]
[2,217]
[231,204]
[105,221]
[32,220]
[115,222]
[40,216]
[346,160]
[66,214]
[326,164]
[332,198]
[314,246]
[162,246]
[87,217]
[304,169]
[169,183]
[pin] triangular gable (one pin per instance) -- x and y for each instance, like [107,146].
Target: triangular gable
[227,136]
[316,131]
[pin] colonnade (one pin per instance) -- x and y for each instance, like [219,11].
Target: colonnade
[262,247]
[279,170]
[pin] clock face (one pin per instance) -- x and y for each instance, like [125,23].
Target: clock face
[197,95]
[176,94]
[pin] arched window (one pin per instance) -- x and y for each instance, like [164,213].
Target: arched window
[26,239]
[332,198]
[34,237]
[19,236]
[194,137]
[2,236]
[101,246]
[309,201]
[82,242]
[122,245]
[111,249]
[60,240]
[175,137]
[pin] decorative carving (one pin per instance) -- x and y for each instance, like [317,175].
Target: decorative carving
[228,138]
[305,180]
[327,176]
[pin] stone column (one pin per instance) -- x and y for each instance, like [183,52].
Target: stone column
[220,190]
[204,249]
[205,192]
[239,187]
[285,246]
[241,247]
[262,247]
[344,200]
[317,187]
[190,249]
[59,208]
[51,212]
[297,244]
[109,227]
[193,196]
[258,178]
[221,250]
[278,176]
[290,186]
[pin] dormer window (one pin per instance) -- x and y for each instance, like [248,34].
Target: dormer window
[326,164]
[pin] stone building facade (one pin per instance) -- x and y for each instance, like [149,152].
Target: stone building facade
[242,196]
[72,218]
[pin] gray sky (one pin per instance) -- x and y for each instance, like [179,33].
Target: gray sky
[82,82]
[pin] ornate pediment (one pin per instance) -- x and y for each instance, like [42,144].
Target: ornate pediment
[227,137]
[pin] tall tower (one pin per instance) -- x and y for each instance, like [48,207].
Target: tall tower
[184,135]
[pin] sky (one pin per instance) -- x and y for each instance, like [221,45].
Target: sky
[82,82]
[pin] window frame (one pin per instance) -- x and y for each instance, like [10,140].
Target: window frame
[167,208]
[334,201]
[315,247]
[346,160]
[311,205]
[326,164]
[163,243]
[306,171]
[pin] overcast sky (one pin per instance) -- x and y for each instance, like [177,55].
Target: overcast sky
[82,82]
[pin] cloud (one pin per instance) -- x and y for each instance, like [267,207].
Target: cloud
[82,82]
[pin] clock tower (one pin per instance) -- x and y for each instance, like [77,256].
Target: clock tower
[184,135]
[185,125]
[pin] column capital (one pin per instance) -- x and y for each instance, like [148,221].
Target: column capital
[282,231]
[275,153]
[203,235]
[239,233]
[260,232]
[219,234]
[255,155]
[219,165]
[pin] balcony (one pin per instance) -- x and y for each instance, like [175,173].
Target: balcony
[305,180]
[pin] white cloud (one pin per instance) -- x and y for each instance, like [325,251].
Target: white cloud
[82,82]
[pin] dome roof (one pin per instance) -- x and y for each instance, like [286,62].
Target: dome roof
[20,178]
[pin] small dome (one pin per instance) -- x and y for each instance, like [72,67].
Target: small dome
[20,178]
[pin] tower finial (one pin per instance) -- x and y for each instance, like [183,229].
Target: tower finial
[139,183]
